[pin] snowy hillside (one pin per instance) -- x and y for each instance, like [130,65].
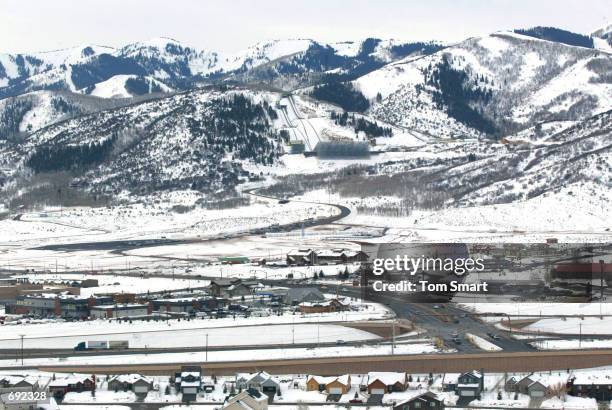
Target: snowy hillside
[603,38]
[193,140]
[495,85]
[578,154]
[127,86]
[30,112]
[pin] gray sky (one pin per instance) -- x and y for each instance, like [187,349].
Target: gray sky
[36,25]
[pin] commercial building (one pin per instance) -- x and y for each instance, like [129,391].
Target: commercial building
[121,311]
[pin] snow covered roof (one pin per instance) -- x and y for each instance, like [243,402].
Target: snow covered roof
[70,380]
[248,377]
[119,307]
[297,293]
[300,252]
[343,301]
[224,281]
[243,398]
[421,397]
[344,379]
[474,373]
[325,380]
[310,304]
[13,380]
[337,252]
[322,379]
[130,378]
[546,379]
[387,378]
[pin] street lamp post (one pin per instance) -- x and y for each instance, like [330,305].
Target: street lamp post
[22,336]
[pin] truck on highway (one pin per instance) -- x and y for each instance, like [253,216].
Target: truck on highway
[102,345]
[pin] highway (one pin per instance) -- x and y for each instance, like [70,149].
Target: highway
[444,322]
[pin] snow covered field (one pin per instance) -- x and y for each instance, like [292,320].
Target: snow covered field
[159,217]
[301,328]
[535,310]
[571,317]
[173,334]
[574,326]
[584,220]
[121,284]
[572,344]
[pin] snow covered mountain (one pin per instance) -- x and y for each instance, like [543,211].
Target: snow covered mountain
[492,85]
[339,61]
[142,118]
[196,139]
[168,64]
[603,38]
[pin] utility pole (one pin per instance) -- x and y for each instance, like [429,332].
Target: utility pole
[580,338]
[393,340]
[601,285]
[206,347]
[21,336]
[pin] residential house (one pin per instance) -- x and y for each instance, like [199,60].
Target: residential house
[137,383]
[239,289]
[511,385]
[524,383]
[249,399]
[228,288]
[331,385]
[470,384]
[256,381]
[218,287]
[595,385]
[386,382]
[542,385]
[331,305]
[260,381]
[9,383]
[425,401]
[73,383]
[189,382]
[295,296]
[340,256]
[302,257]
[537,390]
